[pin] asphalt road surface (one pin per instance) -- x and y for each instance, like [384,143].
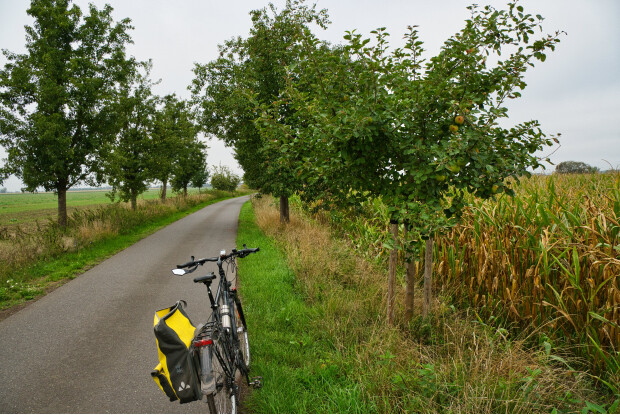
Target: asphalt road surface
[88,347]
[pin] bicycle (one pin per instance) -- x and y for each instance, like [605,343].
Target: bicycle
[221,345]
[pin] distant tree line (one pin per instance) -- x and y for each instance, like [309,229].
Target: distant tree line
[76,109]
[566,167]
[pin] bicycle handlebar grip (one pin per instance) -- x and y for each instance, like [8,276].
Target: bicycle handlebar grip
[188,264]
[248,251]
[214,259]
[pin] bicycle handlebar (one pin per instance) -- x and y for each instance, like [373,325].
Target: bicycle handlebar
[244,252]
[240,253]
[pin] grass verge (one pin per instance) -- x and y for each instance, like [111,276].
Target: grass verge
[302,370]
[319,339]
[31,281]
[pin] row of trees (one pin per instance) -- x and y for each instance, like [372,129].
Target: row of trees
[337,124]
[156,140]
[76,109]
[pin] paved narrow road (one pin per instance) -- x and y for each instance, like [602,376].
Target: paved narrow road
[88,347]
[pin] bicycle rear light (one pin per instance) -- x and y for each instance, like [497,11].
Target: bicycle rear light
[203,342]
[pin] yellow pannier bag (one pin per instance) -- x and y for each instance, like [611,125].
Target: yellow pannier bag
[177,371]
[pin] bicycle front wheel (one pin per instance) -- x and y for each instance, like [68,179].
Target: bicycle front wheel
[242,334]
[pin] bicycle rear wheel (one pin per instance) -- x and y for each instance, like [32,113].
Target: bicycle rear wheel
[224,399]
[230,407]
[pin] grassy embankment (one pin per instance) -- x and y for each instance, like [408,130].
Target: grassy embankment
[316,314]
[36,256]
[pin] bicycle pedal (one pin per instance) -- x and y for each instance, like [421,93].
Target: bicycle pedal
[257,382]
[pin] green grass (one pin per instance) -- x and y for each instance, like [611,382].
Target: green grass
[30,282]
[20,202]
[302,371]
[28,207]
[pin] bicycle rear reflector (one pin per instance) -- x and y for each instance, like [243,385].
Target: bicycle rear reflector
[202,343]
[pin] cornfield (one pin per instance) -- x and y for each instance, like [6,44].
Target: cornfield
[548,259]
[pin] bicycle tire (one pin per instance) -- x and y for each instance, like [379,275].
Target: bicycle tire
[213,407]
[223,401]
[242,335]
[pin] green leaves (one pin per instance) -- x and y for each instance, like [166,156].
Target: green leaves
[176,153]
[128,165]
[335,122]
[223,179]
[396,138]
[238,96]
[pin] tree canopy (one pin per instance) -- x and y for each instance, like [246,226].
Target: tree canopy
[224,179]
[129,164]
[173,131]
[57,100]
[229,91]
[417,133]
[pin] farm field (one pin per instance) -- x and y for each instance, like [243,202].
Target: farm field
[24,207]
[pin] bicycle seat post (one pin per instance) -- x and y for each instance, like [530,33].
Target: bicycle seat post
[207,280]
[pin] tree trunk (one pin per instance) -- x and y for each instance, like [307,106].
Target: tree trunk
[392,275]
[284,210]
[410,279]
[164,186]
[62,206]
[410,294]
[185,191]
[134,200]
[428,275]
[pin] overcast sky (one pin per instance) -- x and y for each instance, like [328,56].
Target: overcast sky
[576,92]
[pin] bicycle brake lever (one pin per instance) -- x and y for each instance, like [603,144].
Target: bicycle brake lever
[189,271]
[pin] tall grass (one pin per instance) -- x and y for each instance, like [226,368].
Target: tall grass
[546,260]
[324,345]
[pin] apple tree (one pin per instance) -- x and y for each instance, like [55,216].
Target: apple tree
[418,133]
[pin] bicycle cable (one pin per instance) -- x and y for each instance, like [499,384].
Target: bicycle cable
[231,265]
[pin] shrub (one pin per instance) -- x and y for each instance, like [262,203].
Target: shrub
[224,179]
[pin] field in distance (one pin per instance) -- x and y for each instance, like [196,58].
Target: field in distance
[22,208]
